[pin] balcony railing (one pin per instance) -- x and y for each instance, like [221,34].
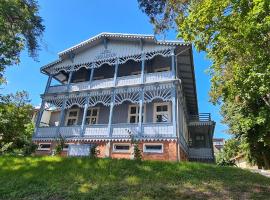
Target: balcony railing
[201,117]
[106,83]
[150,130]
[201,153]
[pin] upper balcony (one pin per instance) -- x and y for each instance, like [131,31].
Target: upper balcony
[109,82]
[158,69]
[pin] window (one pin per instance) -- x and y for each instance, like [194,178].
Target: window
[92,116]
[162,69]
[199,141]
[44,146]
[153,148]
[162,112]
[72,117]
[65,147]
[133,113]
[121,147]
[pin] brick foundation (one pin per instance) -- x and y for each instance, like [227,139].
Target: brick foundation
[106,150]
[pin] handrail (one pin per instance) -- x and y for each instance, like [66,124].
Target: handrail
[202,117]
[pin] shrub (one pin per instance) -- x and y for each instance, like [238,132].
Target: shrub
[94,152]
[59,145]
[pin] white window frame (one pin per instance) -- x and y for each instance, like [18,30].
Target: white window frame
[136,114]
[155,113]
[121,151]
[91,108]
[68,117]
[162,69]
[153,151]
[44,149]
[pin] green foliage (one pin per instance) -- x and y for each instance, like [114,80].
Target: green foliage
[16,127]
[94,152]
[4,147]
[137,152]
[235,36]
[60,144]
[20,28]
[54,177]
[231,149]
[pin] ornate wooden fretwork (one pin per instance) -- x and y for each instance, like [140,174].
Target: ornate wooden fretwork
[79,101]
[157,91]
[132,94]
[127,94]
[166,52]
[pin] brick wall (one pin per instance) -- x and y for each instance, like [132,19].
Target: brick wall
[105,150]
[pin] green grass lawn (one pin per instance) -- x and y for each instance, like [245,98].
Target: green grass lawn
[85,178]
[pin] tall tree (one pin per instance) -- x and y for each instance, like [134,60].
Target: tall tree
[236,36]
[15,120]
[20,27]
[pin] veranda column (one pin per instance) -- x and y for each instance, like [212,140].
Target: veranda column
[174,110]
[62,116]
[42,106]
[39,116]
[69,80]
[173,64]
[48,84]
[84,116]
[141,96]
[91,76]
[112,100]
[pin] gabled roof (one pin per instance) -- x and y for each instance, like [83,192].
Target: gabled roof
[122,36]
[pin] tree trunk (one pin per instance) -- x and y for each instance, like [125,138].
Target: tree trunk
[266,161]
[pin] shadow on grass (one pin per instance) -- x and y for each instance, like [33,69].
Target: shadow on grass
[84,178]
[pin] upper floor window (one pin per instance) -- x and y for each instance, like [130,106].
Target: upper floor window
[133,113]
[72,117]
[92,116]
[162,112]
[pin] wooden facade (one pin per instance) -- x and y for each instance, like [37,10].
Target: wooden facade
[114,87]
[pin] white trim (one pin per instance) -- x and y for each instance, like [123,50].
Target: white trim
[152,151]
[90,117]
[162,69]
[169,112]
[136,114]
[44,149]
[76,118]
[121,144]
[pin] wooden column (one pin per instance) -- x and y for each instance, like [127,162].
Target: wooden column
[173,64]
[84,116]
[141,97]
[174,110]
[69,80]
[48,84]
[112,100]
[91,76]
[62,115]
[39,116]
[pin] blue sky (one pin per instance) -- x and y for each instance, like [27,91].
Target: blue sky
[70,22]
